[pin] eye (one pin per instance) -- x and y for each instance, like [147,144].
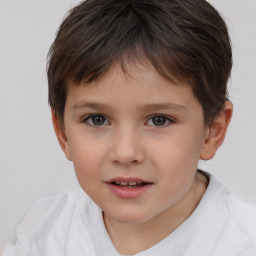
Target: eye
[96,120]
[159,121]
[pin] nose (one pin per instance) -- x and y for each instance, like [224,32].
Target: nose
[127,147]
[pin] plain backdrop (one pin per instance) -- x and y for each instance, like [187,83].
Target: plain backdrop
[31,162]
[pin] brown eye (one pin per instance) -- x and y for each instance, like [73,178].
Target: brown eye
[96,120]
[159,120]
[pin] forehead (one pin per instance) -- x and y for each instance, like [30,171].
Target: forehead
[142,86]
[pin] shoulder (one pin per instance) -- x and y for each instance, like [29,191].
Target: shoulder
[49,218]
[239,214]
[238,232]
[238,223]
[52,208]
[242,216]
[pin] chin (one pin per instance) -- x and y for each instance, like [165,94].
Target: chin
[130,216]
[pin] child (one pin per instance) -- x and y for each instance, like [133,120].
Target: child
[138,95]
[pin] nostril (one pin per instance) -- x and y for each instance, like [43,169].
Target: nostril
[125,154]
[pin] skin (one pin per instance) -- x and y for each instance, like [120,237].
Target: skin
[128,143]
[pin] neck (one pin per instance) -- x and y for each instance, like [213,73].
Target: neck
[130,238]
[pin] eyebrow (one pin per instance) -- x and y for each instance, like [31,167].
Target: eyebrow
[143,108]
[161,106]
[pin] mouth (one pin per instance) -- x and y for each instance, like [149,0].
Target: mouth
[129,188]
[129,184]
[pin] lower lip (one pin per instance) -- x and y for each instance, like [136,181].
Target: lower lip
[129,193]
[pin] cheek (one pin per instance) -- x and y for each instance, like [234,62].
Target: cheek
[178,166]
[87,157]
[178,149]
[176,159]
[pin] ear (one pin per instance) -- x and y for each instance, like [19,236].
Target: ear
[215,134]
[61,136]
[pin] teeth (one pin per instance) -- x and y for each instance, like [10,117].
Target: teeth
[133,183]
[130,183]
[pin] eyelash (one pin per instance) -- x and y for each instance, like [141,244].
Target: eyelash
[168,120]
[91,116]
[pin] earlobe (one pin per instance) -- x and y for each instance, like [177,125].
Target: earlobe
[61,136]
[215,134]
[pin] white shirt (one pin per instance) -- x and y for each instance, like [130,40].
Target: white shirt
[72,225]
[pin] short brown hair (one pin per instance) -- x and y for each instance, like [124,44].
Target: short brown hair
[182,39]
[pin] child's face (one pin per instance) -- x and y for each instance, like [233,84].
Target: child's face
[136,128]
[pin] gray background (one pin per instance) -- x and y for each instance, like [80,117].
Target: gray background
[31,162]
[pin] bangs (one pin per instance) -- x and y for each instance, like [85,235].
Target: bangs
[183,40]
